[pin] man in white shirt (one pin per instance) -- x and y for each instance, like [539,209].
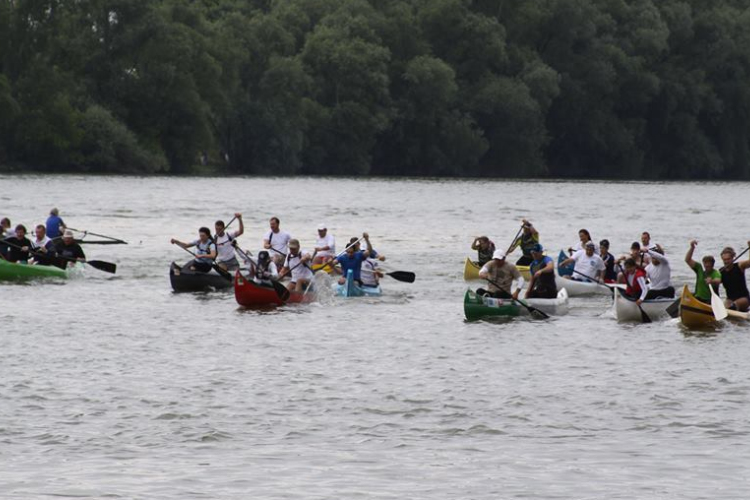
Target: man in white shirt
[297,263]
[277,241]
[646,242]
[325,245]
[660,274]
[43,247]
[588,265]
[225,256]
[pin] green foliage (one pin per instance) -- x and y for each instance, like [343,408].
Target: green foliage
[605,88]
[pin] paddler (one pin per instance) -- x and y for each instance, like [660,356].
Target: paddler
[635,278]
[69,249]
[325,245]
[500,276]
[18,246]
[55,225]
[43,246]
[265,270]
[352,260]
[733,279]
[528,239]
[588,265]
[610,274]
[584,237]
[542,269]
[276,241]
[5,231]
[484,248]
[659,274]
[225,257]
[646,241]
[705,275]
[205,251]
[298,263]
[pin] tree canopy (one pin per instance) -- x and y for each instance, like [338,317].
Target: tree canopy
[522,88]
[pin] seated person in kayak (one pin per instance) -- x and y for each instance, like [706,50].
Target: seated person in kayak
[610,274]
[542,270]
[18,246]
[485,248]
[55,225]
[69,250]
[659,274]
[205,251]
[352,259]
[370,273]
[225,257]
[298,264]
[635,278]
[528,239]
[325,245]
[43,247]
[265,271]
[500,276]
[733,279]
[588,266]
[705,275]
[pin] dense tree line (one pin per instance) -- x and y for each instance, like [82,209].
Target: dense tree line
[606,88]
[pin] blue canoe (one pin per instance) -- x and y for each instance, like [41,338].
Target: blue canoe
[564,270]
[351,289]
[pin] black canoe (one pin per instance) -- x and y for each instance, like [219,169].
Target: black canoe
[185,280]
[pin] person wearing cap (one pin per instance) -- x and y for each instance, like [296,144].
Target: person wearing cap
[733,279]
[297,263]
[610,274]
[500,276]
[225,257]
[18,246]
[55,224]
[705,275]
[69,249]
[542,269]
[276,241]
[528,239]
[659,274]
[588,266]
[325,245]
[265,270]
[44,248]
[353,259]
[485,248]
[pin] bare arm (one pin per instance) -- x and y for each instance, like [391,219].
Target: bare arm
[689,255]
[241,230]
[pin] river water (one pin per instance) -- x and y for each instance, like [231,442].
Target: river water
[114,387]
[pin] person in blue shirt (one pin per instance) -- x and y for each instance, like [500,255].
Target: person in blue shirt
[352,259]
[542,270]
[55,224]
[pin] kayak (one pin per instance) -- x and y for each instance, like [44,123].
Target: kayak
[477,307]
[627,310]
[693,312]
[249,293]
[577,288]
[566,270]
[351,289]
[11,271]
[471,270]
[185,280]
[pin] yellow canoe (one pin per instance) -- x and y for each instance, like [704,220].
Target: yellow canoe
[471,270]
[697,314]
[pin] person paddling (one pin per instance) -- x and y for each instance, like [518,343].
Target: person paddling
[19,246]
[265,270]
[500,275]
[610,274]
[705,275]
[584,238]
[69,249]
[588,266]
[484,248]
[635,278]
[659,274]
[352,259]
[297,263]
[43,246]
[205,251]
[5,231]
[733,279]
[225,257]
[528,239]
[277,241]
[55,225]
[542,269]
[325,245]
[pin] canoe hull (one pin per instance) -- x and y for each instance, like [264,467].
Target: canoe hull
[351,289]
[476,307]
[10,271]
[251,294]
[579,288]
[694,313]
[184,280]
[471,270]
[626,310]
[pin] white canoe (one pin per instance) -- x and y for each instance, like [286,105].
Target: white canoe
[627,310]
[576,288]
[554,307]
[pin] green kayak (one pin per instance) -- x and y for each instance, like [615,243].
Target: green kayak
[10,271]
[477,307]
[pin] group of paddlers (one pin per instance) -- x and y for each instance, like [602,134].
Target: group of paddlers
[282,255]
[51,244]
[645,270]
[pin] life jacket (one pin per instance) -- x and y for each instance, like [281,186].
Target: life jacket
[634,288]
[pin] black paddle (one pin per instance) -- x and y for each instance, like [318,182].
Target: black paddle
[281,290]
[405,276]
[115,241]
[107,267]
[532,310]
[222,272]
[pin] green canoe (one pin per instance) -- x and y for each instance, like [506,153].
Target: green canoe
[476,307]
[10,271]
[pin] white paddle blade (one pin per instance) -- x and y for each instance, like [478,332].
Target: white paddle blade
[717,305]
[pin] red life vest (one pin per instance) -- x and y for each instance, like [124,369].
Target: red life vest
[634,289]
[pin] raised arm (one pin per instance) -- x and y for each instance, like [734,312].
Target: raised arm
[369,245]
[745,263]
[689,255]
[241,230]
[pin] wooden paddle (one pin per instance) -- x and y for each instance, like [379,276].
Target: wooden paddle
[532,310]
[107,267]
[115,241]
[280,289]
[717,305]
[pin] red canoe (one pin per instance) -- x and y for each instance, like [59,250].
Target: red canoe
[249,294]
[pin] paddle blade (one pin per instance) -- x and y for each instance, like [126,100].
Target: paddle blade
[644,316]
[674,309]
[405,276]
[281,291]
[717,305]
[223,272]
[107,267]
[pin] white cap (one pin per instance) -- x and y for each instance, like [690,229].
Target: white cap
[322,227]
[498,254]
[68,234]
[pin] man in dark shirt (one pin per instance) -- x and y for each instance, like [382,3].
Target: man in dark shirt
[69,250]
[18,245]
